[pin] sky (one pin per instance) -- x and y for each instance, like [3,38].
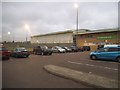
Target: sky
[48,17]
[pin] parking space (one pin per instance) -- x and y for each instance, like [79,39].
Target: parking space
[29,72]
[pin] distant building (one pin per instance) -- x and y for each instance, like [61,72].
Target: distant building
[84,37]
[94,38]
[63,37]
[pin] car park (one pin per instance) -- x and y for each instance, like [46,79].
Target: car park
[42,50]
[58,49]
[20,52]
[4,53]
[107,53]
[67,49]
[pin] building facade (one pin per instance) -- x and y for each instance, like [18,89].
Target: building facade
[64,37]
[98,37]
[84,37]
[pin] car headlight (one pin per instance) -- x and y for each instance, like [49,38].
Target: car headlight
[91,53]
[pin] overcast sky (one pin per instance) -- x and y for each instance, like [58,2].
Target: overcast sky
[47,17]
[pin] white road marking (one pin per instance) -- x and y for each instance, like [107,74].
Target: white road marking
[93,65]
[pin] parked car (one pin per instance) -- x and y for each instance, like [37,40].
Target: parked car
[42,50]
[86,48]
[108,53]
[4,53]
[74,48]
[20,52]
[58,49]
[81,49]
[67,49]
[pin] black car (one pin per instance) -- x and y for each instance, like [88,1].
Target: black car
[86,48]
[42,50]
[20,52]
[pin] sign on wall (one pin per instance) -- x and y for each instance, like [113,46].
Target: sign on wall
[106,37]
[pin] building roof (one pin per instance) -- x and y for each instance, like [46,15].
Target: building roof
[100,31]
[80,31]
[54,33]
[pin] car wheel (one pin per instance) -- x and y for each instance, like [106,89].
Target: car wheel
[50,53]
[35,53]
[118,59]
[16,56]
[42,53]
[93,57]
[8,58]
[27,56]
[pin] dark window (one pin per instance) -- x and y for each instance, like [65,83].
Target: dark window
[101,50]
[118,49]
[112,49]
[38,46]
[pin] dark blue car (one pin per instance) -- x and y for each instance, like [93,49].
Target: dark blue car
[107,53]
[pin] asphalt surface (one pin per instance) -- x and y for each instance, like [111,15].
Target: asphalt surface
[29,72]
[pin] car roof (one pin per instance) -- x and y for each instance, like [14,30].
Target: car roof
[111,45]
[20,48]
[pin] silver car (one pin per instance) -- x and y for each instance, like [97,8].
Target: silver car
[58,49]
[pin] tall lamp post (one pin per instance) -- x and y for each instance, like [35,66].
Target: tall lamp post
[77,18]
[27,29]
[9,35]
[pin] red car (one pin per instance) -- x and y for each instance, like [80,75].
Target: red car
[4,53]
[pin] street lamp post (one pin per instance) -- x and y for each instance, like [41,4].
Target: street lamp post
[9,35]
[27,29]
[77,21]
[26,36]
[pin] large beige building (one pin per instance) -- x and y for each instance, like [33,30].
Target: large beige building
[57,37]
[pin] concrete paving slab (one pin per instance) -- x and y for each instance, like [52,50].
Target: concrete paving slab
[88,78]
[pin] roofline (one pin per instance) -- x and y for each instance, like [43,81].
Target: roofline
[72,31]
[54,33]
[100,31]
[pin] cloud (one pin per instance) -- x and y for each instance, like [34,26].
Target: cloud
[46,17]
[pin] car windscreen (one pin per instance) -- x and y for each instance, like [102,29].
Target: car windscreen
[66,47]
[59,47]
[44,47]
